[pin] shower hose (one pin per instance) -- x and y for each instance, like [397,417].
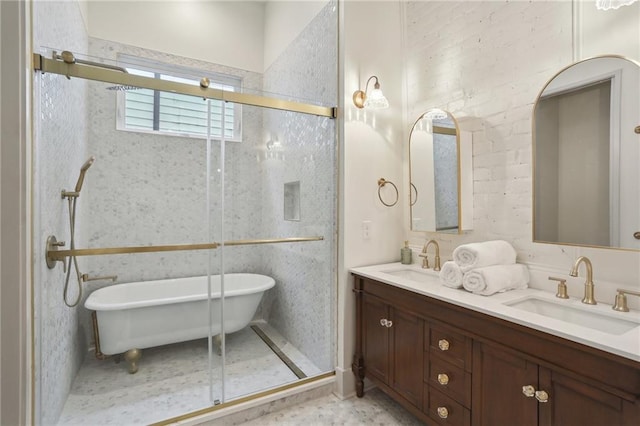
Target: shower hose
[72,246]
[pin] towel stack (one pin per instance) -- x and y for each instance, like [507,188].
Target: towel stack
[485,268]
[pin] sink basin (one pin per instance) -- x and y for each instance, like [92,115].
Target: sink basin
[412,274]
[597,320]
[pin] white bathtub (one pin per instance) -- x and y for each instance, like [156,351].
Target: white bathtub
[145,314]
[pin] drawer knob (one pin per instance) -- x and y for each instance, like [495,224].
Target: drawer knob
[443,344]
[443,413]
[528,391]
[542,396]
[443,379]
[386,323]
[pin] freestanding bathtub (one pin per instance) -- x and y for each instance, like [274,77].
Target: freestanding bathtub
[138,315]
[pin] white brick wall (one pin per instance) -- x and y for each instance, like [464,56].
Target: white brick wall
[486,63]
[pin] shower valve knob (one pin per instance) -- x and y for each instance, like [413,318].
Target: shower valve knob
[58,244]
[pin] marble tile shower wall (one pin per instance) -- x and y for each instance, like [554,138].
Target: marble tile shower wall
[486,65]
[301,305]
[151,189]
[59,151]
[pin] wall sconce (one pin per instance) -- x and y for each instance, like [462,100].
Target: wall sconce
[375,100]
[612,4]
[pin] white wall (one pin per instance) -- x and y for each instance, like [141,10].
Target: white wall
[15,207]
[373,147]
[614,31]
[224,32]
[261,30]
[488,68]
[283,21]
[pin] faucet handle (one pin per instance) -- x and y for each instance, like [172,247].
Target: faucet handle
[425,260]
[562,287]
[621,299]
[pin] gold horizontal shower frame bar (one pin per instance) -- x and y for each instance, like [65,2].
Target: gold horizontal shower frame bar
[90,72]
[54,255]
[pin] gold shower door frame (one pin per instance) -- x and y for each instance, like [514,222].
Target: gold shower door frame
[109,74]
[98,72]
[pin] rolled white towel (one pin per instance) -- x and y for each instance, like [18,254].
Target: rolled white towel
[487,253]
[451,275]
[496,279]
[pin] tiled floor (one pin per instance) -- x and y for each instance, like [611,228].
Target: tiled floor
[174,379]
[375,408]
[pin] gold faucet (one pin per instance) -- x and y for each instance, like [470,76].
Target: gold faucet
[425,261]
[588,284]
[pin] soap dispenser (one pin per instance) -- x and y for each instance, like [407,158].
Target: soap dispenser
[405,254]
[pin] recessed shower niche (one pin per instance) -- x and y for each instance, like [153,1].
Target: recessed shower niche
[183,196]
[292,201]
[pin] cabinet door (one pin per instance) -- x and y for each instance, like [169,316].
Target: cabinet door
[375,337]
[574,403]
[406,354]
[498,379]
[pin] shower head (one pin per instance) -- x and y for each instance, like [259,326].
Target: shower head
[122,88]
[83,170]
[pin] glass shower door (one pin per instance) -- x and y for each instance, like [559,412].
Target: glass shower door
[155,185]
[278,260]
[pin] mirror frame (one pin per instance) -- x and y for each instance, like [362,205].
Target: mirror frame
[533,156]
[459,178]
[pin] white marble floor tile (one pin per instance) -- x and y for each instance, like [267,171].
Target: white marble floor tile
[375,408]
[174,379]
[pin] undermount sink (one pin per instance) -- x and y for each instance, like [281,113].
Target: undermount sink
[597,320]
[412,274]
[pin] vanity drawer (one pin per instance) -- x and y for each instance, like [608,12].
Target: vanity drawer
[449,379]
[444,410]
[450,345]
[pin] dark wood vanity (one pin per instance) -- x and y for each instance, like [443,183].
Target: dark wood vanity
[449,365]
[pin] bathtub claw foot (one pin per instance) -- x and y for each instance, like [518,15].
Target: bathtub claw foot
[132,356]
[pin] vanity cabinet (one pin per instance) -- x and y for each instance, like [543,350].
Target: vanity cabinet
[512,389]
[450,365]
[392,344]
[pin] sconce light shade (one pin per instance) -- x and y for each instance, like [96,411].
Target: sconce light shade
[375,99]
[612,4]
[436,114]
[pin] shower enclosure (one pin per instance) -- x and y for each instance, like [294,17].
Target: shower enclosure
[200,170]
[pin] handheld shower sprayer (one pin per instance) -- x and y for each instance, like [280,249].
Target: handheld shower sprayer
[73,198]
[83,170]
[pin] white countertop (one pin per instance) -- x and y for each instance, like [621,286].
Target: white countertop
[427,282]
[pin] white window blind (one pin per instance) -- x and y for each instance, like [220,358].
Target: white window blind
[147,110]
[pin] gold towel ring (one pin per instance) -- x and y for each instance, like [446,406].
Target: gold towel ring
[416,199]
[382,182]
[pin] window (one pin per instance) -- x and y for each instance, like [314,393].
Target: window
[152,111]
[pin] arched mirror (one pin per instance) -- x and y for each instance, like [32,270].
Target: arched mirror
[586,150]
[440,174]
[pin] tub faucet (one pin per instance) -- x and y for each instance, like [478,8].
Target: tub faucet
[588,298]
[425,260]
[86,277]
